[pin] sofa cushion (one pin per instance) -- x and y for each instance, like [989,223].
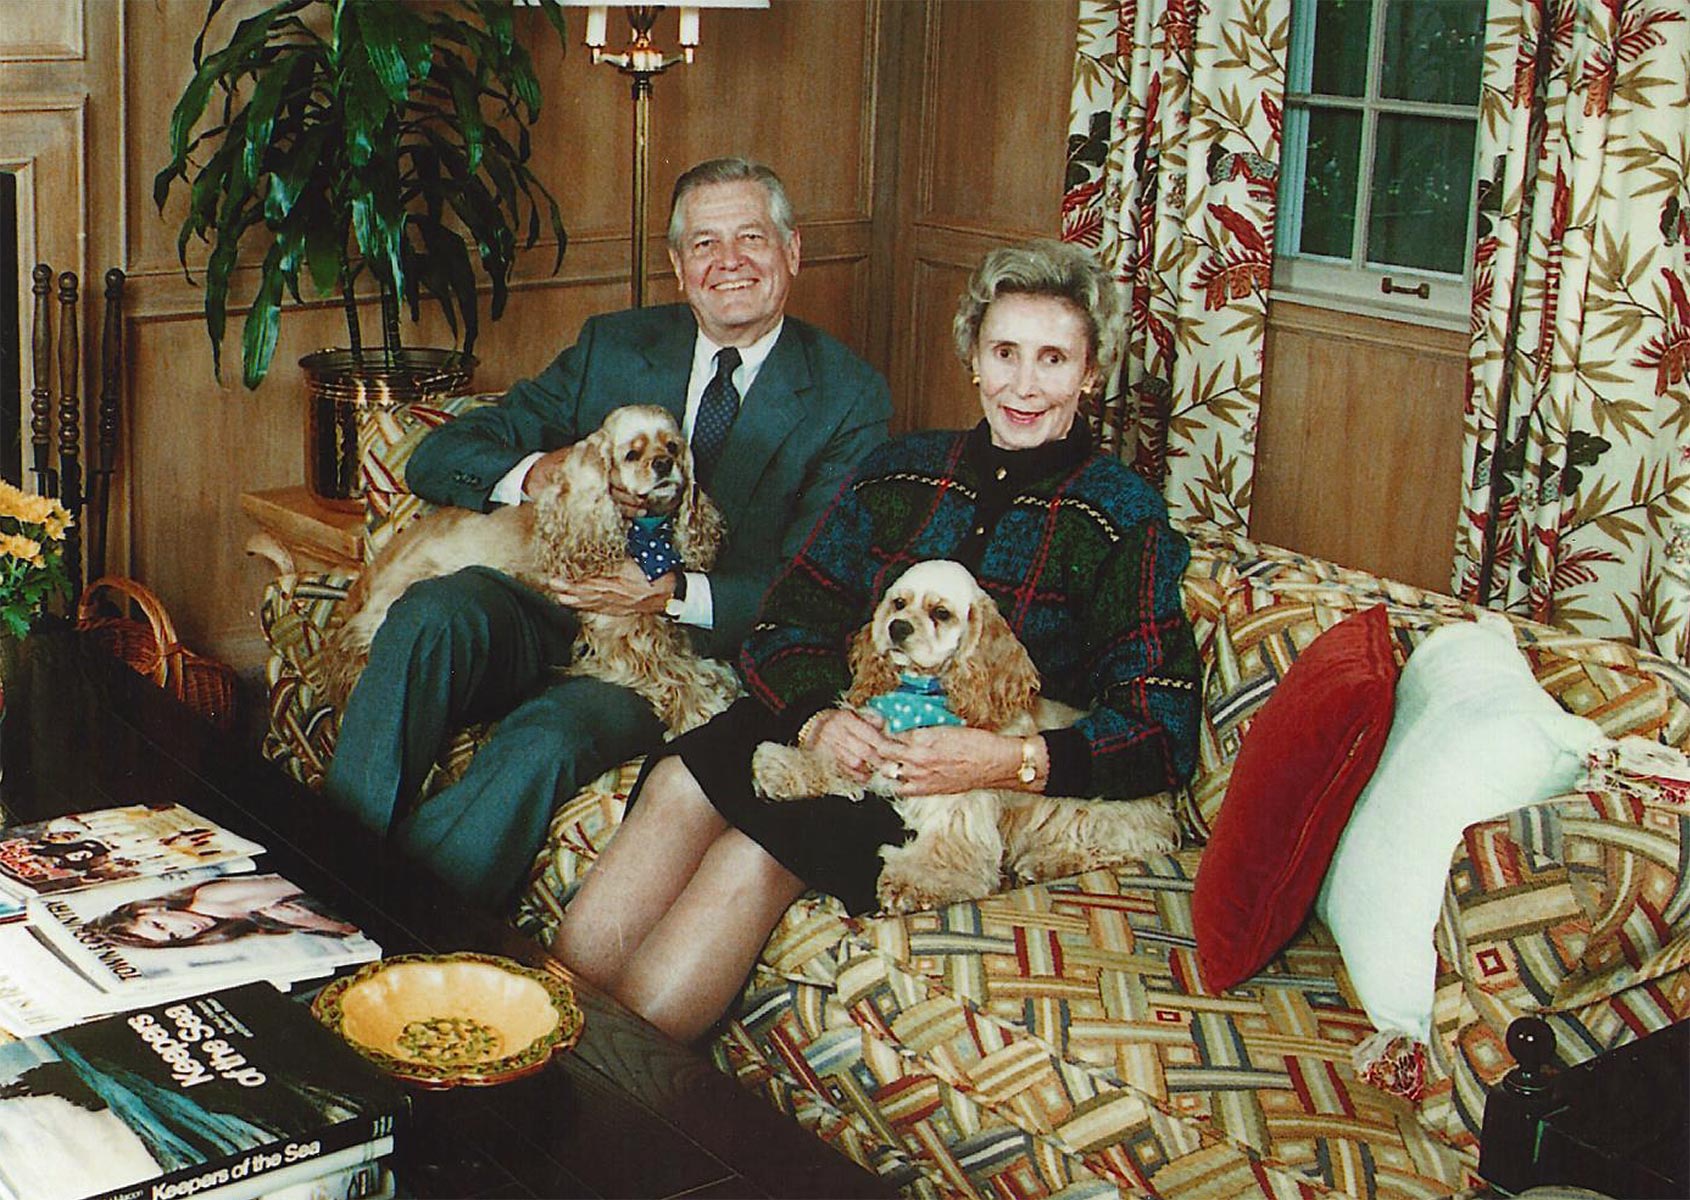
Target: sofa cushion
[1474,737]
[1310,750]
[387,437]
[1274,605]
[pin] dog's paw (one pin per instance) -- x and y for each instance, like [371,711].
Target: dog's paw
[910,881]
[773,771]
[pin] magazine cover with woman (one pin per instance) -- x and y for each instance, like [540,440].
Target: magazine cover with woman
[164,938]
[114,844]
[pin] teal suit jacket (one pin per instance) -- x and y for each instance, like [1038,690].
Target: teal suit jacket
[813,412]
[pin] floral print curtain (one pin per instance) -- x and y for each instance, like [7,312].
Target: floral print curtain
[1577,501]
[1173,172]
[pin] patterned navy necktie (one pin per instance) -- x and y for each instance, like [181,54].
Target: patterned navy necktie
[716,412]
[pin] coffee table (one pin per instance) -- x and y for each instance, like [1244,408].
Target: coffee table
[626,1113]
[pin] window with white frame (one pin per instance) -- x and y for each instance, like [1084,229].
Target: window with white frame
[1376,208]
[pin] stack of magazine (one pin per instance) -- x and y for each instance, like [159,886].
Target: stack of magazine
[103,912]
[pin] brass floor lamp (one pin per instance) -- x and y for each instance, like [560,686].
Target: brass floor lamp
[641,62]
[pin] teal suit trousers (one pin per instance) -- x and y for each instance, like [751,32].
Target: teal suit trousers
[479,646]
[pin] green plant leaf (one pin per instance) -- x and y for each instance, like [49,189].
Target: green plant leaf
[450,274]
[261,115]
[263,322]
[324,252]
[396,41]
[466,100]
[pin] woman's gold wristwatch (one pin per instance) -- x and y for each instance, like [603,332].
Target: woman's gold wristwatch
[1029,761]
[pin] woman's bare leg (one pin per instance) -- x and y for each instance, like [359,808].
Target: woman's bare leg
[694,961]
[643,870]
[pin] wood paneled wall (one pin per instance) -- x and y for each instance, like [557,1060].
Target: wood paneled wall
[978,165]
[1358,454]
[912,135]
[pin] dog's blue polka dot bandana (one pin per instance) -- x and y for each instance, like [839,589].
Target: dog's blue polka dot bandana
[917,702]
[649,545]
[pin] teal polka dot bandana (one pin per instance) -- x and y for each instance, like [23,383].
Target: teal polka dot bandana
[917,702]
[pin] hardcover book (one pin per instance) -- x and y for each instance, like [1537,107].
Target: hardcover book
[113,844]
[174,1100]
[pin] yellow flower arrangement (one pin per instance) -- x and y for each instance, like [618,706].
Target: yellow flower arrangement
[32,551]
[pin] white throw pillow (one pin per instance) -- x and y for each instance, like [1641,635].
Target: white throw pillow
[1473,737]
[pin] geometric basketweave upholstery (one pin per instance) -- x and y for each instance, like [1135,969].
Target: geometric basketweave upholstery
[1057,1039]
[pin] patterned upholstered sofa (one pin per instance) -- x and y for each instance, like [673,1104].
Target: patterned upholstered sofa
[1058,1040]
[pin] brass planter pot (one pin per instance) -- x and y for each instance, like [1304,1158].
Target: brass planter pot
[342,387]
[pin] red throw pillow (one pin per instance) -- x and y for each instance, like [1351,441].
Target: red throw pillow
[1305,759]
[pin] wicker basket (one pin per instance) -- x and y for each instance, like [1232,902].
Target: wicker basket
[151,648]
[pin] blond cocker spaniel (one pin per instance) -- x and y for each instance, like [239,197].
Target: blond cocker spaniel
[936,638]
[572,530]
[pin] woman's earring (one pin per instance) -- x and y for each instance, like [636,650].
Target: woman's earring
[975,379]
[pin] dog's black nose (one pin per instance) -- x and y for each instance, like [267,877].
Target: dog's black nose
[898,630]
[662,466]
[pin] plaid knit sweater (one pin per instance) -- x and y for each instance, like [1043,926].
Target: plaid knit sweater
[1075,549]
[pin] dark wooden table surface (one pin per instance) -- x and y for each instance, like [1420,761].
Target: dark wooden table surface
[627,1113]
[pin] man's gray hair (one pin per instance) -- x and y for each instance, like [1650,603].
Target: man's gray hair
[731,170]
[1046,268]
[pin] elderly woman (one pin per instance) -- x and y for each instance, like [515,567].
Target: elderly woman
[1078,554]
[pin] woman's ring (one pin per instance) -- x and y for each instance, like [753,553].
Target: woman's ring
[896,770]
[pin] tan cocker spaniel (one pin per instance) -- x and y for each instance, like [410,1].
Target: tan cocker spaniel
[572,530]
[935,631]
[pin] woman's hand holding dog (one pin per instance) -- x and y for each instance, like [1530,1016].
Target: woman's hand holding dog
[855,742]
[942,759]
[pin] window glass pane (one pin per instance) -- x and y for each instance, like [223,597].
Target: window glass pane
[1422,189]
[1432,50]
[1329,185]
[1339,65]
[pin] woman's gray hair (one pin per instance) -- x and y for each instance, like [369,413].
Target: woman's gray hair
[1043,267]
[731,170]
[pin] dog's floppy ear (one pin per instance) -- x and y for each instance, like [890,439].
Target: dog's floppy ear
[578,524]
[991,679]
[699,527]
[872,673]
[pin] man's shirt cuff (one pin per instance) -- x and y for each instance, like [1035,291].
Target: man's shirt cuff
[509,489]
[698,609]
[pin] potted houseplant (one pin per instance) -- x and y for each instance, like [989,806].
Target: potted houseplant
[362,144]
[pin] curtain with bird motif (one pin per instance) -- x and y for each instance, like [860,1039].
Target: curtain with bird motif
[1577,493]
[1173,171]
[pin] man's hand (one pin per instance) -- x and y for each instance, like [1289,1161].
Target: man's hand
[620,593]
[546,469]
[543,474]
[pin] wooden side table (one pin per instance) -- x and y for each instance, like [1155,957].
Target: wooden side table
[1618,1123]
[313,535]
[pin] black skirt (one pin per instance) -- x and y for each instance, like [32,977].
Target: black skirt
[830,842]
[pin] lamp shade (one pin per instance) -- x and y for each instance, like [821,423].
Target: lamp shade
[597,15]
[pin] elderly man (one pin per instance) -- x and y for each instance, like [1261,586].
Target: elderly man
[780,411]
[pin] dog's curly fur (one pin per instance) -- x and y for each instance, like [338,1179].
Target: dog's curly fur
[936,620]
[572,530]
